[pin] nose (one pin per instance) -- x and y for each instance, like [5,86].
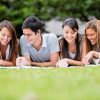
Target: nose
[5,37]
[89,37]
[69,34]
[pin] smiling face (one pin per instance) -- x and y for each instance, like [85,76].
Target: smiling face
[30,36]
[69,34]
[91,36]
[5,36]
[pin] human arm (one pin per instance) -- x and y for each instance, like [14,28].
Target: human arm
[6,63]
[87,57]
[66,62]
[53,48]
[74,62]
[51,63]
[26,61]
[90,55]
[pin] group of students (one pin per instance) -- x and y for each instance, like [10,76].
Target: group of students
[40,49]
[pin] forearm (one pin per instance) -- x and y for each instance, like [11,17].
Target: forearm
[75,63]
[42,64]
[6,63]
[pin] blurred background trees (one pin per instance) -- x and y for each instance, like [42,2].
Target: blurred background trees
[17,10]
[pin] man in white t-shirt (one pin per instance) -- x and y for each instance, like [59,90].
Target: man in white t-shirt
[36,48]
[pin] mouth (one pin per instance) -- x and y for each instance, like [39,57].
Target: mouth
[28,40]
[4,42]
[92,42]
[69,39]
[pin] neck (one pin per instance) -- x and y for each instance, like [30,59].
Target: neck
[37,45]
[72,44]
[72,47]
[3,46]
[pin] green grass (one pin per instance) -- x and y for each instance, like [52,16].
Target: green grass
[51,83]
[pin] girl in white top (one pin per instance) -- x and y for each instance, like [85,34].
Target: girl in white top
[70,53]
[8,44]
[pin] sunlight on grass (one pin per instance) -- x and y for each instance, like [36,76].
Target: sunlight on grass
[50,84]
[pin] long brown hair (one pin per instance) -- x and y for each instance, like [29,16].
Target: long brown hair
[95,25]
[72,23]
[14,47]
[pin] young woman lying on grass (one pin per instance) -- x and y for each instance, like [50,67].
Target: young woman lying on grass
[8,44]
[91,53]
[70,45]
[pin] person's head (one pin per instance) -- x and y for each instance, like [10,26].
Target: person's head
[70,30]
[92,35]
[32,28]
[7,33]
[8,36]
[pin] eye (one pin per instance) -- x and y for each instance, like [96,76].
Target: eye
[92,34]
[66,32]
[27,34]
[72,32]
[9,36]
[3,34]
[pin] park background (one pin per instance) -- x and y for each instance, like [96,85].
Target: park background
[51,12]
[76,83]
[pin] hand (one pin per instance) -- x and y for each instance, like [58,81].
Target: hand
[62,63]
[88,58]
[1,62]
[22,61]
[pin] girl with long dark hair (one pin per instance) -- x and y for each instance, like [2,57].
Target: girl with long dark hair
[70,45]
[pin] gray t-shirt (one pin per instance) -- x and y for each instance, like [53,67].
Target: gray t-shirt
[49,45]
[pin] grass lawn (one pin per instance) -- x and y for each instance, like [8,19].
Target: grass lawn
[50,83]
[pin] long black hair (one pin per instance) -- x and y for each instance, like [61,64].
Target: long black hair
[72,23]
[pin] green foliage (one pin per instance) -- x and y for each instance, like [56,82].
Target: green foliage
[18,10]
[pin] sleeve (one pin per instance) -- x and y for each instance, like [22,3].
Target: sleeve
[24,47]
[53,43]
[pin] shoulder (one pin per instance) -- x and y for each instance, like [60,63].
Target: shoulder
[50,37]
[22,38]
[61,40]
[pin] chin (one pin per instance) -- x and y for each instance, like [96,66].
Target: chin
[93,43]
[4,43]
[70,41]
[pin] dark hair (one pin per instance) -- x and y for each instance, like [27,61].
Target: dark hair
[33,23]
[72,23]
[13,43]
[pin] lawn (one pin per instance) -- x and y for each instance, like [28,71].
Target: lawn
[50,83]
